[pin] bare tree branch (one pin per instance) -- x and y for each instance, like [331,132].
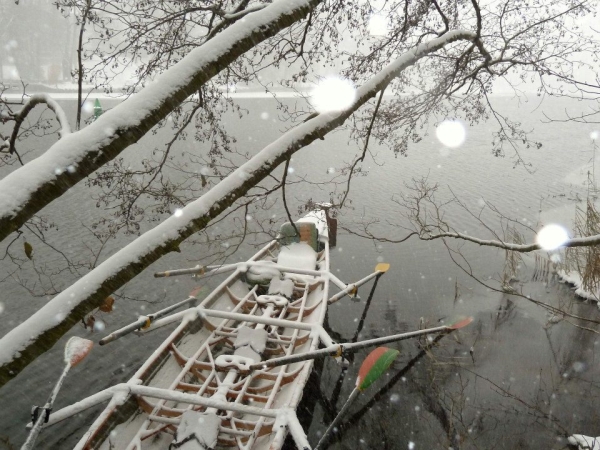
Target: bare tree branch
[287,210]
[28,106]
[365,148]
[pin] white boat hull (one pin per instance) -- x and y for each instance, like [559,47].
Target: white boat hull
[184,375]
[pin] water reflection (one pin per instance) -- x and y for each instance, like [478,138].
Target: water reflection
[514,379]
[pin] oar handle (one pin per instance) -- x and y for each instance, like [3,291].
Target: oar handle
[143,320]
[198,270]
[176,272]
[276,362]
[123,331]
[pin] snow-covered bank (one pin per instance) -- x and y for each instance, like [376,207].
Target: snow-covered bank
[565,216]
[574,278]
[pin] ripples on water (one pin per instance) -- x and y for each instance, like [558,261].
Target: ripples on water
[529,380]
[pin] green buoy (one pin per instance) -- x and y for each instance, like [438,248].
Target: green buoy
[97,109]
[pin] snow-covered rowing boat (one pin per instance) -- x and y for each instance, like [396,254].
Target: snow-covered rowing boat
[233,371]
[209,384]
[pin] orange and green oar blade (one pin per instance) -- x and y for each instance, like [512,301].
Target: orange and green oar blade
[460,323]
[374,365]
[76,349]
[382,267]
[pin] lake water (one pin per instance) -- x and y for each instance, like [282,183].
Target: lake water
[529,381]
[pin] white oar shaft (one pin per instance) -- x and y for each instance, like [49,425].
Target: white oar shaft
[255,319]
[37,426]
[351,287]
[337,419]
[201,270]
[394,338]
[143,320]
[348,347]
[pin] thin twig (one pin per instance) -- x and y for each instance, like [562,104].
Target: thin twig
[365,148]
[287,211]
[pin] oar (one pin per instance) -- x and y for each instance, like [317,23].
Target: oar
[354,418]
[76,349]
[145,321]
[340,349]
[361,322]
[204,271]
[352,288]
[371,369]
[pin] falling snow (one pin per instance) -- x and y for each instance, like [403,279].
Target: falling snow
[99,325]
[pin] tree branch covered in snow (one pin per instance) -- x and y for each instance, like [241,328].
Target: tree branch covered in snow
[31,103]
[426,215]
[522,248]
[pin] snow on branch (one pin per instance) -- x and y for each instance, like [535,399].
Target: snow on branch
[20,117]
[28,106]
[426,216]
[523,248]
[30,188]
[239,14]
[23,344]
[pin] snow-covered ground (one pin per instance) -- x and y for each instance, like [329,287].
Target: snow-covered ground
[564,216]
